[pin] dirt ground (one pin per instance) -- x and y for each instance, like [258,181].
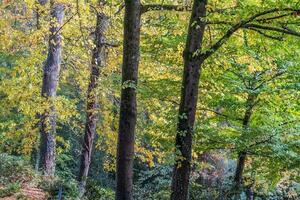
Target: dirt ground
[27,193]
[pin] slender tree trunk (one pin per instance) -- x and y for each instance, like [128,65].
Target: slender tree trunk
[36,151]
[49,87]
[127,121]
[188,103]
[240,169]
[250,194]
[98,61]
[242,156]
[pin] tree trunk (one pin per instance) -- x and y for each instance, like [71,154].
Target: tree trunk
[242,156]
[43,2]
[250,193]
[49,87]
[238,178]
[188,103]
[127,121]
[98,61]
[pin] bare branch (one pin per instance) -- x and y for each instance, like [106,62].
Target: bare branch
[270,28]
[219,22]
[110,44]
[122,6]
[264,20]
[155,7]
[266,35]
[60,28]
[180,8]
[271,11]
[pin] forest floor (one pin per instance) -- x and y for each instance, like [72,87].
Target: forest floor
[27,192]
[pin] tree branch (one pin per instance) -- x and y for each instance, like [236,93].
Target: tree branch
[245,24]
[122,6]
[264,20]
[271,136]
[220,114]
[270,28]
[270,79]
[180,8]
[155,7]
[266,35]
[60,28]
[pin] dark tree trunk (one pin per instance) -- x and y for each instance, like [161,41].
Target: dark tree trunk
[127,121]
[97,62]
[49,87]
[242,156]
[250,193]
[188,103]
[238,178]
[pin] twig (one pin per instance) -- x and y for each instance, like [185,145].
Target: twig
[60,28]
[266,35]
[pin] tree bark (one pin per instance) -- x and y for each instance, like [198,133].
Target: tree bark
[242,156]
[127,121]
[188,103]
[43,2]
[250,193]
[238,178]
[98,61]
[50,82]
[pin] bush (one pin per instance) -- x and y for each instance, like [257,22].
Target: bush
[94,191]
[66,188]
[14,170]
[153,183]
[10,189]
[286,190]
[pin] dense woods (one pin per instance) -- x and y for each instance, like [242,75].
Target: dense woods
[150,99]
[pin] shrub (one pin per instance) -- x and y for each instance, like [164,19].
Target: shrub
[14,169]
[10,189]
[67,188]
[94,191]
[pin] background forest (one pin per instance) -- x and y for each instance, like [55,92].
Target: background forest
[150,100]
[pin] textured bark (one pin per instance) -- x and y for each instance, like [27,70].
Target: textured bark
[242,156]
[50,82]
[188,103]
[127,121]
[97,62]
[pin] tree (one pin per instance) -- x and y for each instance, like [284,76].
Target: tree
[50,82]
[255,84]
[250,103]
[97,62]
[270,140]
[253,127]
[189,93]
[128,109]
[188,103]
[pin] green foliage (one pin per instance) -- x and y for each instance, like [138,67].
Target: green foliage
[67,188]
[245,65]
[286,189]
[14,170]
[10,189]
[201,192]
[153,183]
[96,191]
